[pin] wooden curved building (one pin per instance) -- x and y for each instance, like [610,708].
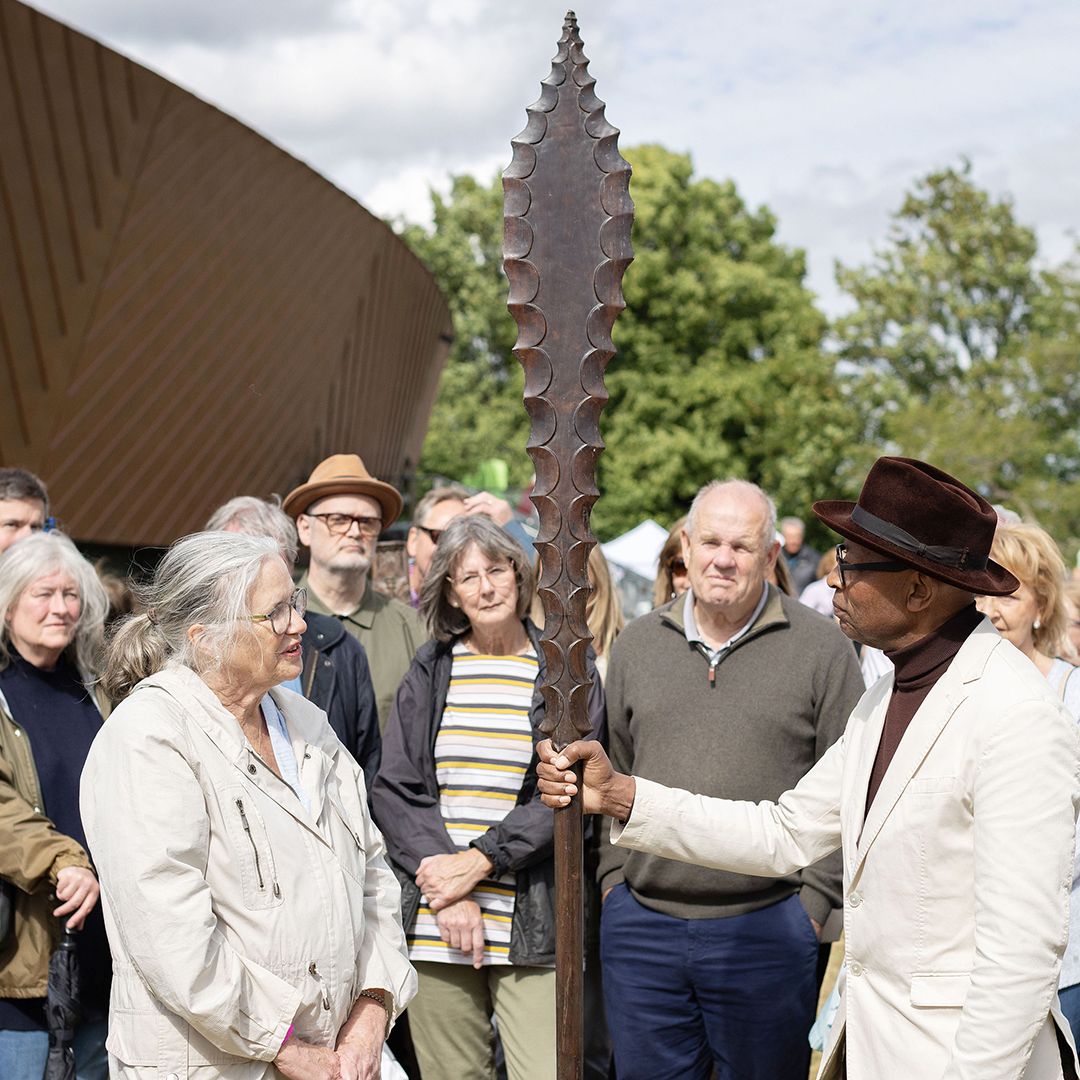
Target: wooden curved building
[187,312]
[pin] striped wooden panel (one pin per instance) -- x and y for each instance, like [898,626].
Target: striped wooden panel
[187,313]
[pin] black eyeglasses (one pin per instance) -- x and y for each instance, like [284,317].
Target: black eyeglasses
[842,566]
[281,616]
[340,524]
[433,534]
[677,566]
[498,577]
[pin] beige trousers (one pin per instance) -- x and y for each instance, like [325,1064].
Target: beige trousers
[450,1021]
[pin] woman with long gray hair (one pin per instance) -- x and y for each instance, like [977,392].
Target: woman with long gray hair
[53,609]
[253,919]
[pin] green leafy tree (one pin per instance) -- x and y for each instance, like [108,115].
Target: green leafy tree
[719,371]
[478,414]
[961,351]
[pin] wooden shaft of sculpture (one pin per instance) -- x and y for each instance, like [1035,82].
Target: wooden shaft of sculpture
[569,942]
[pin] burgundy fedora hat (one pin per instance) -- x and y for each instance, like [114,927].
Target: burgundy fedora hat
[926,518]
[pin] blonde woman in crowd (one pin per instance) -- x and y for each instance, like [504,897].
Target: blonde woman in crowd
[253,920]
[603,612]
[1034,619]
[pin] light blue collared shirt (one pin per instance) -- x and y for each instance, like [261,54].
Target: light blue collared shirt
[295,684]
[283,749]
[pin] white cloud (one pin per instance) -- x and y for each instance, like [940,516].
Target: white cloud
[826,112]
[220,25]
[405,192]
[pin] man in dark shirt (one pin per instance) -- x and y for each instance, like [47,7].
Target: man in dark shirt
[24,505]
[952,795]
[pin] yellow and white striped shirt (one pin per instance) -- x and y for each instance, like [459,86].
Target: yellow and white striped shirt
[482,752]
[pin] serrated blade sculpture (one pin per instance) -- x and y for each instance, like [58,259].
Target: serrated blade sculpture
[566,244]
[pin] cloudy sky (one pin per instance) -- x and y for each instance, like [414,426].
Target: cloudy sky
[826,110]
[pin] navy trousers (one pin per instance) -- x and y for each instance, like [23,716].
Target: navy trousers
[685,996]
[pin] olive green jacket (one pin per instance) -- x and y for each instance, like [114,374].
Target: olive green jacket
[32,853]
[390,632]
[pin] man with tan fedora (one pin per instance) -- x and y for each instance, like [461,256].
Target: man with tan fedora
[339,513]
[952,795]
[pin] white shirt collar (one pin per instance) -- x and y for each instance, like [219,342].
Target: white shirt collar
[693,635]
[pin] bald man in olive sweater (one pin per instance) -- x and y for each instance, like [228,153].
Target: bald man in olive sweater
[731,689]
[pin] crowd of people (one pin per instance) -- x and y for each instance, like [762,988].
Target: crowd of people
[303,828]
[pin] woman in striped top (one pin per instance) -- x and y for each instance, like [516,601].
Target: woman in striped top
[456,797]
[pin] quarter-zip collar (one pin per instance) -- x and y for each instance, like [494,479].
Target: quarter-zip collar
[768,615]
[693,635]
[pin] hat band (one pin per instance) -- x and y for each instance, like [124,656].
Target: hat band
[945,556]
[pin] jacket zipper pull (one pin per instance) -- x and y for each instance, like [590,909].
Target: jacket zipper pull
[345,821]
[313,971]
[712,674]
[255,850]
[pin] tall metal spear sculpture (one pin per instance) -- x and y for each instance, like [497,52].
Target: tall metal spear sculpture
[567,218]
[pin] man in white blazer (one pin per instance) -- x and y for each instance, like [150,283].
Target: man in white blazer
[952,793]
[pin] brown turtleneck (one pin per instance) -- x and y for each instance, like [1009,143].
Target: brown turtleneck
[918,668]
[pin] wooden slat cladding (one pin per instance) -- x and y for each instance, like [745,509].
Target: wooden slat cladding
[187,313]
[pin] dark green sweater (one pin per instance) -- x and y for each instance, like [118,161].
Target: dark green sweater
[781,697]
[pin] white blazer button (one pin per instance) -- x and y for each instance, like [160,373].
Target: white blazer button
[172,1076]
[855,899]
[856,968]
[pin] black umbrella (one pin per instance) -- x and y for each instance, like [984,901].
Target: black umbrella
[62,1008]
